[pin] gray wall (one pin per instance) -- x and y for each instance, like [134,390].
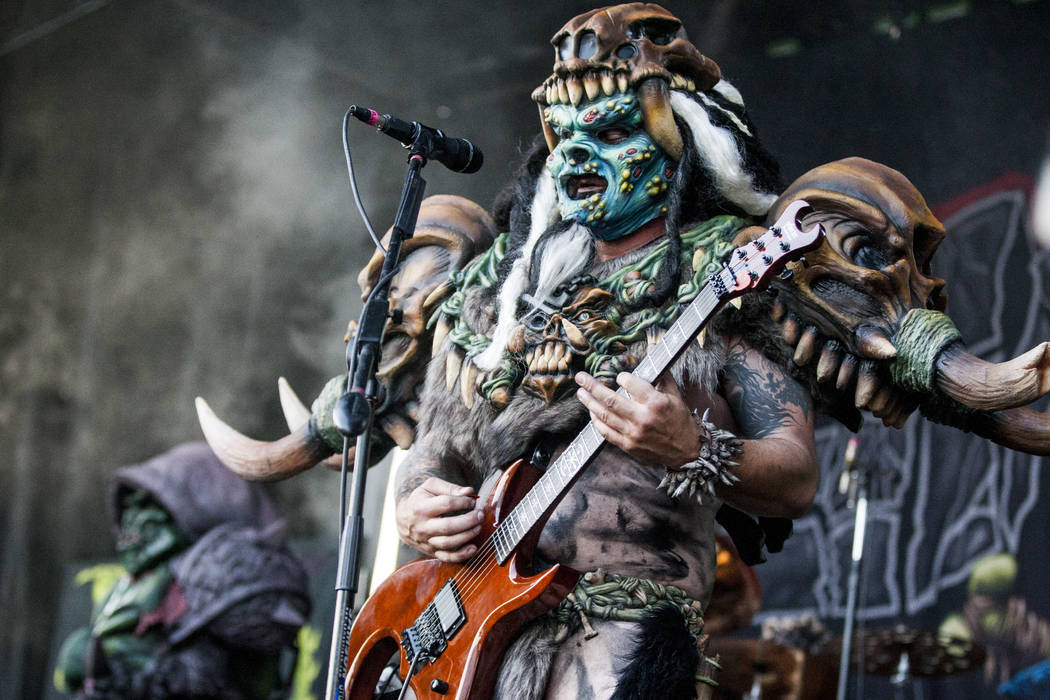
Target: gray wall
[175,218]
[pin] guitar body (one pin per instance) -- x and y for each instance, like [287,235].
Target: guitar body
[497,601]
[461,617]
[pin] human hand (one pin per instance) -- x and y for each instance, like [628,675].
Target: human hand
[653,424]
[424,520]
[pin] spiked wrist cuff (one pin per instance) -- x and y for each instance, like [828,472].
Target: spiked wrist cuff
[712,466]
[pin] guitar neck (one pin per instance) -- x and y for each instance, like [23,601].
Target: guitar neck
[563,472]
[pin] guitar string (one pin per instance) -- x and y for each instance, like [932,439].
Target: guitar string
[481,563]
[476,570]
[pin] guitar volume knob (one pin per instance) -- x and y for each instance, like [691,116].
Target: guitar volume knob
[439,686]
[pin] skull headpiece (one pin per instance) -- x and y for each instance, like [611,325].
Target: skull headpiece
[637,47]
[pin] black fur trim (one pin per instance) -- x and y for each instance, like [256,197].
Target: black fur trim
[664,662]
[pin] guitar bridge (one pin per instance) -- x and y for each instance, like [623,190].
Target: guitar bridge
[428,636]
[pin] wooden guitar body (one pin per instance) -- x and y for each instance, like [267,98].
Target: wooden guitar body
[459,618]
[497,601]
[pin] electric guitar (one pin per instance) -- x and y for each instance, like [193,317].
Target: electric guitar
[451,623]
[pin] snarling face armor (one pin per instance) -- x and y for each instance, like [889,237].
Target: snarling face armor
[609,173]
[554,343]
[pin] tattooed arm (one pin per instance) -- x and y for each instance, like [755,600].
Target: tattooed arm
[766,408]
[778,467]
[435,512]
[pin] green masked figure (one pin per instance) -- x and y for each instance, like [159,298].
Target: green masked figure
[208,592]
[609,173]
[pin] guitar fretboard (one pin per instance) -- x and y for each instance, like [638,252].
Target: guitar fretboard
[561,474]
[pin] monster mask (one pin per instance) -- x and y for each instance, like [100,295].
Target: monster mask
[148,533]
[610,174]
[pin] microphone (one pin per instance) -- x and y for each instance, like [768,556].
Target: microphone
[458,155]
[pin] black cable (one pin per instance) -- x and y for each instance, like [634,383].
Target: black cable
[353,184]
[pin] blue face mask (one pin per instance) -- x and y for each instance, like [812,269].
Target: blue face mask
[609,173]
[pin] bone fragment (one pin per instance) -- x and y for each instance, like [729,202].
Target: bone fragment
[828,365]
[846,371]
[777,314]
[807,346]
[873,343]
[867,384]
[453,364]
[466,382]
[591,85]
[789,330]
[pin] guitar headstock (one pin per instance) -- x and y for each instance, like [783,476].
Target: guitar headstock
[754,263]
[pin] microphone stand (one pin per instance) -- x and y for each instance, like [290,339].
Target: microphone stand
[354,413]
[858,499]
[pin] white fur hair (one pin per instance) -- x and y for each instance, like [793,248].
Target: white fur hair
[543,212]
[717,149]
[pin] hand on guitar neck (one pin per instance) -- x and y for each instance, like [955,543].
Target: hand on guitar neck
[654,424]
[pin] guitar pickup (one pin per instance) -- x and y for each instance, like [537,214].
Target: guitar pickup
[428,636]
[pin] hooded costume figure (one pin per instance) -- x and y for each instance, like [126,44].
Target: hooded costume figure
[211,598]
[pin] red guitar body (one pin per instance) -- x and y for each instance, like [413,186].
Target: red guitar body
[497,600]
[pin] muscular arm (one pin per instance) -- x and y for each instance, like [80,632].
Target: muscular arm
[436,511]
[777,465]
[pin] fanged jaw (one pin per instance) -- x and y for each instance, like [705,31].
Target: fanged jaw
[584,186]
[550,370]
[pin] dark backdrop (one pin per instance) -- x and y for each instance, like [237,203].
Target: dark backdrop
[175,221]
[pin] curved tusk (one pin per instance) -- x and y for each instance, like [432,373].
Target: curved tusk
[655,101]
[1017,428]
[993,386]
[254,460]
[296,413]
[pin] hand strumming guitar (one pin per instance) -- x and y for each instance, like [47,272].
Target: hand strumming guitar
[432,519]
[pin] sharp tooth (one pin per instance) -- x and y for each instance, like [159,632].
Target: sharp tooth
[690,85]
[677,81]
[621,82]
[702,337]
[880,404]
[575,90]
[807,345]
[867,384]
[453,362]
[552,95]
[846,370]
[528,359]
[590,85]
[778,311]
[466,382]
[608,84]
[789,330]
[574,335]
[873,342]
[828,363]
[439,336]
[552,361]
[563,93]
